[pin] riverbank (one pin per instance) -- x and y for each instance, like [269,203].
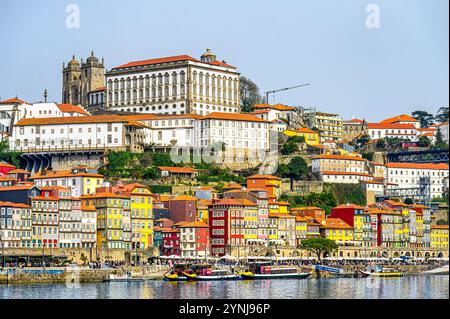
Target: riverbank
[85,275]
[72,275]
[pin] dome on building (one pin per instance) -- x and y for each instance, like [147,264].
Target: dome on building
[208,56]
[92,58]
[73,61]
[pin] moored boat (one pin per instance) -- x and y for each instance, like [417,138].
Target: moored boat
[381,272]
[265,270]
[205,272]
[177,273]
[123,278]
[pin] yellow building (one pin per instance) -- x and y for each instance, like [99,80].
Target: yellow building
[141,215]
[203,211]
[439,237]
[250,220]
[311,137]
[301,229]
[336,229]
[111,229]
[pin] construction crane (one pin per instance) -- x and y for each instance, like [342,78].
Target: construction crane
[285,89]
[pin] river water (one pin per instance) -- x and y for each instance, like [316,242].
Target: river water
[409,287]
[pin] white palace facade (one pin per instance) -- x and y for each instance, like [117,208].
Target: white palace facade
[174,86]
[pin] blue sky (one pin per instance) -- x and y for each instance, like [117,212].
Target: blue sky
[354,70]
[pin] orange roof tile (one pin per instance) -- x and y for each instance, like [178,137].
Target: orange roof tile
[441,166]
[103,195]
[99,89]
[399,118]
[69,108]
[335,223]
[10,204]
[185,197]
[194,225]
[73,120]
[14,100]
[233,117]
[439,226]
[233,202]
[278,107]
[88,208]
[386,126]
[259,176]
[181,170]
[62,174]
[349,206]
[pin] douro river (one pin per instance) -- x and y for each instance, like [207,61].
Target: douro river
[409,287]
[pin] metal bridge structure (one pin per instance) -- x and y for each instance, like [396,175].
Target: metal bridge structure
[422,194]
[425,156]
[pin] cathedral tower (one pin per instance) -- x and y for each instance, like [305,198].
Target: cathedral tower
[80,79]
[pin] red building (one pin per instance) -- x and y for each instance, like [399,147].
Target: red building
[194,239]
[170,242]
[182,208]
[227,225]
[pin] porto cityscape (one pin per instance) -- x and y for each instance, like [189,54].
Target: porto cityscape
[148,168]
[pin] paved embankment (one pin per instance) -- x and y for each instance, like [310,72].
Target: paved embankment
[70,275]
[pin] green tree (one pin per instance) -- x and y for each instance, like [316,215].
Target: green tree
[250,95]
[442,222]
[319,246]
[289,148]
[7,156]
[426,119]
[362,141]
[298,168]
[424,141]
[442,115]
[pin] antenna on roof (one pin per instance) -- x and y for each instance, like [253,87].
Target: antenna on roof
[45,95]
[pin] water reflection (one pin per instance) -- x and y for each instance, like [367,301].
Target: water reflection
[414,287]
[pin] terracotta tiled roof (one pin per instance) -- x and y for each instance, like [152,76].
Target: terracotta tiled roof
[233,202]
[14,100]
[278,107]
[335,223]
[88,208]
[259,176]
[222,64]
[52,198]
[399,118]
[393,126]
[10,204]
[194,225]
[185,197]
[439,226]
[349,206]
[232,185]
[233,117]
[441,166]
[305,130]
[69,108]
[16,188]
[61,174]
[170,59]
[73,120]
[180,170]
[18,171]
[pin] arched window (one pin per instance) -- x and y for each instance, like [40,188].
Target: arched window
[154,80]
[182,89]
[128,95]
[174,78]
[116,84]
[194,77]
[135,95]
[166,91]
[182,77]
[201,78]
[174,90]
[153,92]
[141,94]
[160,91]
[147,81]
[166,78]
[135,82]
[160,79]
[141,81]
[128,83]
[147,93]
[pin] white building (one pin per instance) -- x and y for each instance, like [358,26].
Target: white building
[291,116]
[88,226]
[382,130]
[344,177]
[14,110]
[174,85]
[241,134]
[77,133]
[407,175]
[443,127]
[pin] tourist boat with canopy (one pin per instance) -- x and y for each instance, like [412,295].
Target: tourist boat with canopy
[266,270]
[205,272]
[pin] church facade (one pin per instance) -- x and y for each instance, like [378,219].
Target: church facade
[79,79]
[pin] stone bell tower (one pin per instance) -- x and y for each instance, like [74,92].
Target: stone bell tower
[80,79]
